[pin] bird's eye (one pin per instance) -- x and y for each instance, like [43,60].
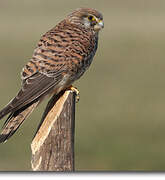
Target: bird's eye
[91,18]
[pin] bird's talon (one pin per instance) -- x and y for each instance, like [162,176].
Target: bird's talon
[77,98]
[76,91]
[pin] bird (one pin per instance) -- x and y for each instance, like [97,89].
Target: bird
[61,57]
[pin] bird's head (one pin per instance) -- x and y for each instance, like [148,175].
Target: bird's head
[88,18]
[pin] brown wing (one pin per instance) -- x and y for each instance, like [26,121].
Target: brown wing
[43,72]
[33,88]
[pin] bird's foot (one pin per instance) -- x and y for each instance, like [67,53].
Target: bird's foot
[76,91]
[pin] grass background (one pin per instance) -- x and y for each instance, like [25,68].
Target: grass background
[120,119]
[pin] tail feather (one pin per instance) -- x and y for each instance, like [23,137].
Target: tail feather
[15,119]
[5,110]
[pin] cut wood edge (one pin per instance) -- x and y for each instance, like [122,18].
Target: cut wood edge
[50,119]
[37,165]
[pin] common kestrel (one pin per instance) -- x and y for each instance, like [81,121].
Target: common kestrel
[62,56]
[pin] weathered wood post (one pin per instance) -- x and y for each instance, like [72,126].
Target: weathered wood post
[53,145]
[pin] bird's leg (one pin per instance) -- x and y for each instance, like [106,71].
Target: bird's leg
[76,91]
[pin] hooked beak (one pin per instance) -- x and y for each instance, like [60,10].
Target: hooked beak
[99,25]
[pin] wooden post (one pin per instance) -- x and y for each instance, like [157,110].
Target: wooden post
[53,145]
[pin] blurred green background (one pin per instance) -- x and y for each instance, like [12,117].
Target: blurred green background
[120,119]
